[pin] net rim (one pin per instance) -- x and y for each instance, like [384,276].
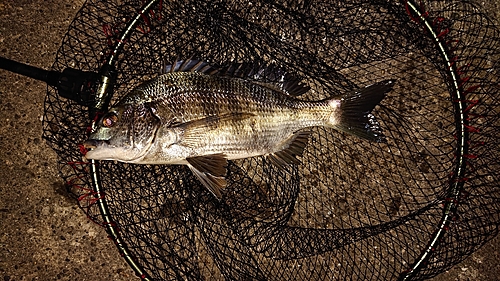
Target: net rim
[417,14]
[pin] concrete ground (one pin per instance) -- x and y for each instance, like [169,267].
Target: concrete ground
[44,236]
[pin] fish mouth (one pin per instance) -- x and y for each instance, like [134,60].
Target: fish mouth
[103,150]
[99,150]
[94,143]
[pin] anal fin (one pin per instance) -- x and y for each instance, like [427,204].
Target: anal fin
[211,171]
[292,147]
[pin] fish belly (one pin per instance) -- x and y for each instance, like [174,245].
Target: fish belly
[254,136]
[250,137]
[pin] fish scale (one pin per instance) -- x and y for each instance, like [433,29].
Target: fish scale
[268,121]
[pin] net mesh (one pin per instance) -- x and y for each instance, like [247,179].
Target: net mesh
[409,208]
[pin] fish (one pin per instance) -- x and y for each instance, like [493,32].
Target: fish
[201,116]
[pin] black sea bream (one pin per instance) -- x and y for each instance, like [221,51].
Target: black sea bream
[199,116]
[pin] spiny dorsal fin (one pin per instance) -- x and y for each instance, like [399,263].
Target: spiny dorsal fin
[190,65]
[211,171]
[271,77]
[292,147]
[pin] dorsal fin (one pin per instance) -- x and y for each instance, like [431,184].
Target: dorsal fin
[239,70]
[272,77]
[190,65]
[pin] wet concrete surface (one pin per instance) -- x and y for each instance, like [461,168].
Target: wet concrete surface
[44,235]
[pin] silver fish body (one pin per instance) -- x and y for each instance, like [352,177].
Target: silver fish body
[201,119]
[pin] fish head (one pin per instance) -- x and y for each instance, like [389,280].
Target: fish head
[125,133]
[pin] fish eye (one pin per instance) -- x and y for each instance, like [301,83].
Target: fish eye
[110,120]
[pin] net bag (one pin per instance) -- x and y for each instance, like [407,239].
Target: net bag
[406,209]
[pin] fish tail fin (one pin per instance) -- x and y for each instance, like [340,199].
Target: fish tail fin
[355,111]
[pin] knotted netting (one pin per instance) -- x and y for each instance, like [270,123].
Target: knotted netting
[410,208]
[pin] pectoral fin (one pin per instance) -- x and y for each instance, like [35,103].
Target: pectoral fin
[195,130]
[211,171]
